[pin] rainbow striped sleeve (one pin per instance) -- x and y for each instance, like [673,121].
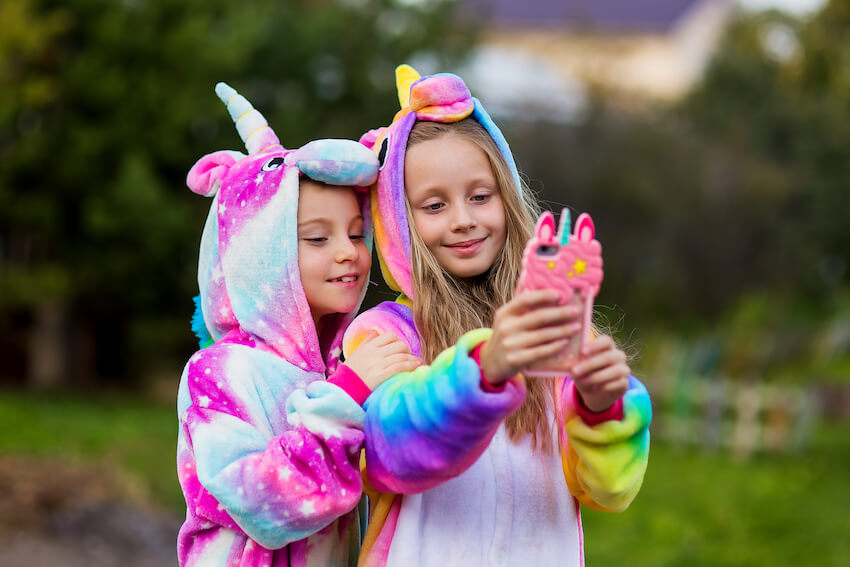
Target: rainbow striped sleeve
[604,464]
[427,426]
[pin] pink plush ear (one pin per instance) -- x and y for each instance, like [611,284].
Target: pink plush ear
[369,138]
[585,231]
[546,227]
[205,176]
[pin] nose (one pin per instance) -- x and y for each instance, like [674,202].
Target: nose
[462,219]
[347,251]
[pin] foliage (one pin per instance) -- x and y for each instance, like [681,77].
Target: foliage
[106,106]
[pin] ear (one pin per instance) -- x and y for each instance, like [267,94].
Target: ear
[205,176]
[585,231]
[545,227]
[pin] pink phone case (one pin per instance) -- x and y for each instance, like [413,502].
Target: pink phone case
[571,264]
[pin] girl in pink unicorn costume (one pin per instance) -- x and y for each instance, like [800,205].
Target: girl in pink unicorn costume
[450,481]
[268,449]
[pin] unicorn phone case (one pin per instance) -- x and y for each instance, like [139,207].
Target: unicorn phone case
[570,264]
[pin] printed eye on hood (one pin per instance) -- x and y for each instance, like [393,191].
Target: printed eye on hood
[248,268]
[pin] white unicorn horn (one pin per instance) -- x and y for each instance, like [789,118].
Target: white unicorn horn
[251,125]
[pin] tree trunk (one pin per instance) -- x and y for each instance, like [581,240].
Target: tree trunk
[48,351]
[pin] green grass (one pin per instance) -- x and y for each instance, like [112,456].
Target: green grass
[137,436]
[694,509]
[711,510]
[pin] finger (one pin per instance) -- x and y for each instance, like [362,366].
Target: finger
[404,365]
[598,381]
[368,337]
[547,317]
[598,344]
[540,336]
[598,361]
[531,299]
[392,347]
[526,357]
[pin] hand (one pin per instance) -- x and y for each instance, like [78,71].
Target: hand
[601,375]
[379,357]
[528,328]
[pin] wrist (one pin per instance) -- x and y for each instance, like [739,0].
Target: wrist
[350,382]
[613,412]
[490,372]
[486,384]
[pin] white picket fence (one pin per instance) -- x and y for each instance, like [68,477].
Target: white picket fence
[716,414]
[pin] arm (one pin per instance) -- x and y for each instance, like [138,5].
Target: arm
[276,487]
[429,425]
[604,463]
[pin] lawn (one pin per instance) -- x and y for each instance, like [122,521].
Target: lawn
[694,509]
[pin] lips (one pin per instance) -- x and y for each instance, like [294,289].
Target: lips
[346,279]
[466,246]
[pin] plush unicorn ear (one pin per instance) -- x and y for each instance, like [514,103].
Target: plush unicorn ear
[546,227]
[405,76]
[585,231]
[205,176]
[369,138]
[337,162]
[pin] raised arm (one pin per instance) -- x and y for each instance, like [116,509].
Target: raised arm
[605,455]
[429,425]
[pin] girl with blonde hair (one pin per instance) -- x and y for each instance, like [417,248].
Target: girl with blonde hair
[467,462]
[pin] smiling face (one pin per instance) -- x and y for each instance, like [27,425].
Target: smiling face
[333,257]
[455,203]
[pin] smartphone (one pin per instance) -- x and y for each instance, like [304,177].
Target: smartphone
[571,264]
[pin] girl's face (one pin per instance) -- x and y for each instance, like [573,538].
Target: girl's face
[455,203]
[332,256]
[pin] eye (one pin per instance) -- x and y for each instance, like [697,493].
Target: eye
[382,153]
[273,164]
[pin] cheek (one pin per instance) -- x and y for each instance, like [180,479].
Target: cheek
[310,263]
[364,256]
[429,228]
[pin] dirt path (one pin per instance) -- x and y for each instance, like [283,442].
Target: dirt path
[72,515]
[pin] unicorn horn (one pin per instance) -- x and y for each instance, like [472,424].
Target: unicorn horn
[405,76]
[564,229]
[252,127]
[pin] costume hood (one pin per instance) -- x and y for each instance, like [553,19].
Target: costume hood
[248,266]
[437,98]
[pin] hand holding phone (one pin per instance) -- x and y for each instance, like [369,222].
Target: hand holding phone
[570,264]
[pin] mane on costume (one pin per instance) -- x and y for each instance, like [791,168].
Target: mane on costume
[248,266]
[445,98]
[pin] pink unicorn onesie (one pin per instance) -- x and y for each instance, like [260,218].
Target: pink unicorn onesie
[268,449]
[446,484]
[569,264]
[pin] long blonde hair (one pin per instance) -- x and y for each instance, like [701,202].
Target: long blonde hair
[445,307]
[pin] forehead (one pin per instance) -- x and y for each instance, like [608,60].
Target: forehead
[445,159]
[321,201]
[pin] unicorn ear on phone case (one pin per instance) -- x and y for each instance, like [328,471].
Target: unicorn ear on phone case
[545,230]
[585,231]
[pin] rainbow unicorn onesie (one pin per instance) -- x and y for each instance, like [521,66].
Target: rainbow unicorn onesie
[447,486]
[268,449]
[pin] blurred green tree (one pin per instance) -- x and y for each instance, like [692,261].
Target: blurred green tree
[105,107]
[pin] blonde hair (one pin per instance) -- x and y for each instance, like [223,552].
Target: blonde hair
[445,307]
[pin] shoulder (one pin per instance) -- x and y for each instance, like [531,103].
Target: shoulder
[386,317]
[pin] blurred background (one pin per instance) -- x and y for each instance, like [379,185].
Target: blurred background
[710,139]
